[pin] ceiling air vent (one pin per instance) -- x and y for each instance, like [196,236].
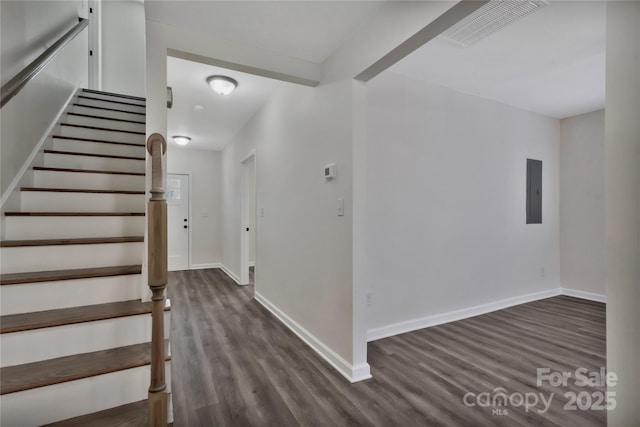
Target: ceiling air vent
[490,18]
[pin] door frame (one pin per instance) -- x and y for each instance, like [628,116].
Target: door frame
[189,215]
[245,215]
[95,44]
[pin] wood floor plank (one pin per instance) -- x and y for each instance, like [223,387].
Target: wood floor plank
[232,360]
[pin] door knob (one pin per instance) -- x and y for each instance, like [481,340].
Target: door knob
[185,226]
[185,220]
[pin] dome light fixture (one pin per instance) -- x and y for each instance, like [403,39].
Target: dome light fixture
[181,140]
[222,85]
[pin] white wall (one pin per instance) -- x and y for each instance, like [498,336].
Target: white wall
[304,248]
[582,219]
[446,187]
[305,252]
[622,201]
[206,201]
[123,47]
[27,29]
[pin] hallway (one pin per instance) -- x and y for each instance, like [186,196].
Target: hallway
[234,364]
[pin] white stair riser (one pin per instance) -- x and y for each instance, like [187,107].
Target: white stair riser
[67,400]
[91,111]
[108,97]
[29,297]
[108,104]
[43,344]
[45,201]
[69,227]
[94,181]
[105,123]
[103,135]
[78,146]
[24,259]
[71,161]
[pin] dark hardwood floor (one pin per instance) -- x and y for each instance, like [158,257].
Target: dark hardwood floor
[234,364]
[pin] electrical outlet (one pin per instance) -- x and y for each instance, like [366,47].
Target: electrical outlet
[369,299]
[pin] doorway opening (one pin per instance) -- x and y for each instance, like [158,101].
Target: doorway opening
[248,222]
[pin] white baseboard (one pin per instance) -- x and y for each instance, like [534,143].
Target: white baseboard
[452,316]
[15,183]
[229,273]
[352,373]
[205,266]
[583,295]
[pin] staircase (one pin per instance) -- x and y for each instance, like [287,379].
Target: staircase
[74,333]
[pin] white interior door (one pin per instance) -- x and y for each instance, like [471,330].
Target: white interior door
[178,222]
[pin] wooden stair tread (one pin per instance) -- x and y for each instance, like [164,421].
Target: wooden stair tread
[101,128]
[130,415]
[42,168]
[74,213]
[69,368]
[119,95]
[80,190]
[76,241]
[110,100]
[101,141]
[108,109]
[79,273]
[105,118]
[69,316]
[109,156]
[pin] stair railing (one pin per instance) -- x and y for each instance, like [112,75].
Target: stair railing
[15,85]
[157,262]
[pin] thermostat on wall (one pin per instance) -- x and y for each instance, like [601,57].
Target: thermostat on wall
[330,171]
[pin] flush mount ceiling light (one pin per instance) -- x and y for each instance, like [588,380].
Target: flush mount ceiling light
[181,140]
[222,84]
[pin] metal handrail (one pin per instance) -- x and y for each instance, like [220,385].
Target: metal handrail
[15,85]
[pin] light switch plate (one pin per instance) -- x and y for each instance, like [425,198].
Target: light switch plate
[340,207]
